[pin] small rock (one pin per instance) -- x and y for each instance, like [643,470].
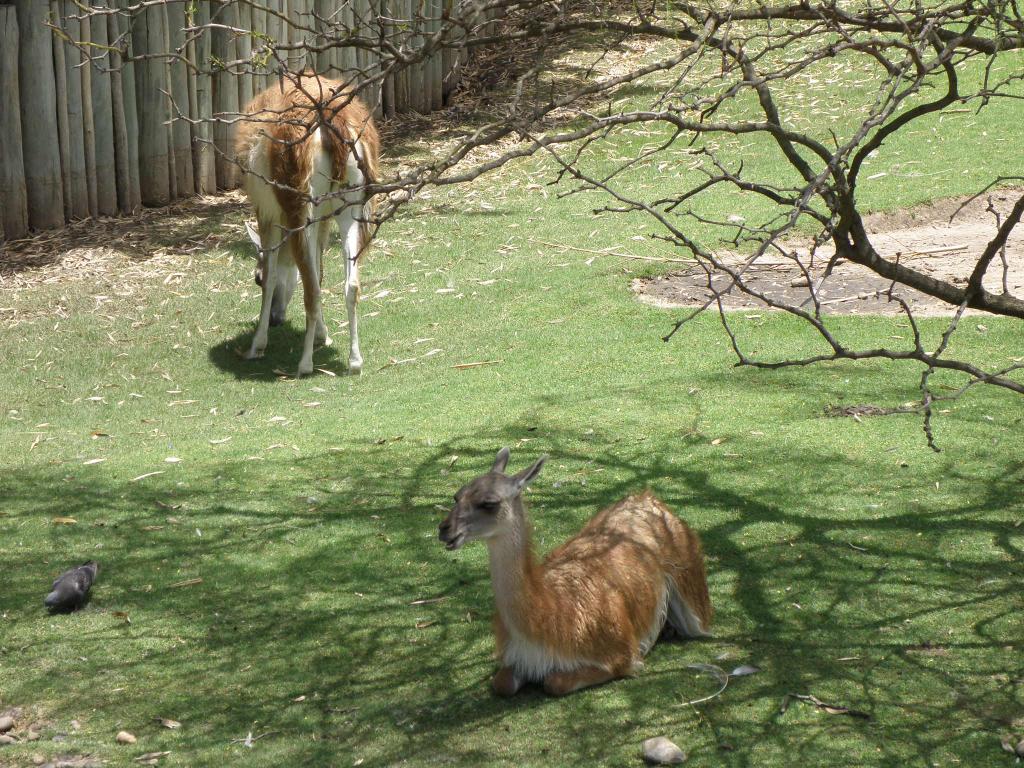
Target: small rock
[6,723]
[661,751]
[1020,749]
[32,735]
[37,759]
[125,738]
[5,739]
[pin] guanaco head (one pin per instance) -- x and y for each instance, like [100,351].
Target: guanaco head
[486,505]
[285,276]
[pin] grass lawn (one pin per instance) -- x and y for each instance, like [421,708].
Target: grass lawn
[266,536]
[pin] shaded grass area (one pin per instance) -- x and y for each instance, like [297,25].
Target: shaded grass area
[845,558]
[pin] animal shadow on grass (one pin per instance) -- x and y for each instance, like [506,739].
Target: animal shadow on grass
[284,348]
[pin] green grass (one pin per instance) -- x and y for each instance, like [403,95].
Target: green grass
[845,559]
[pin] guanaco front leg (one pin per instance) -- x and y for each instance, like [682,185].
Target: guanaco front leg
[506,682]
[562,683]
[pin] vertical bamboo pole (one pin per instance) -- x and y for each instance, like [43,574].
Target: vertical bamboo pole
[131,111]
[418,97]
[450,61]
[148,36]
[169,108]
[14,211]
[88,122]
[322,9]
[243,45]
[122,161]
[276,34]
[181,131]
[259,43]
[349,56]
[193,101]
[203,155]
[40,143]
[375,93]
[75,168]
[404,14]
[225,96]
[63,130]
[387,33]
[436,73]
[106,188]
[359,15]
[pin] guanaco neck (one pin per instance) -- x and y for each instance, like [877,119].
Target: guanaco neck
[515,574]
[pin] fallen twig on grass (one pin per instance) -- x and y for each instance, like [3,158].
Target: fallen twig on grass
[614,253]
[832,709]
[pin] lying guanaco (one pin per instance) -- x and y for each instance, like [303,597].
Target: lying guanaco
[596,605]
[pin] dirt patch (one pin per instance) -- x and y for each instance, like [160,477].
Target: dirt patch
[923,238]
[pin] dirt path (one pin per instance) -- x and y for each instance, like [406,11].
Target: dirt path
[923,238]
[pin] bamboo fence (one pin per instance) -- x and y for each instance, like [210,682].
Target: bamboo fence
[116,104]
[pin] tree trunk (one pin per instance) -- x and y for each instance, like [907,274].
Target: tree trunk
[14,211]
[75,169]
[150,83]
[40,142]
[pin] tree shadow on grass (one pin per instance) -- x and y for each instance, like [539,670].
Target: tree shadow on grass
[302,626]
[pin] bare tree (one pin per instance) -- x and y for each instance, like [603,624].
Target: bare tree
[715,71]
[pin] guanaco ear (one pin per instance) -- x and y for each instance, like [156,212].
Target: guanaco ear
[501,460]
[525,477]
[254,234]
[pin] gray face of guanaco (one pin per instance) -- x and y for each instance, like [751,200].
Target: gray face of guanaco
[483,505]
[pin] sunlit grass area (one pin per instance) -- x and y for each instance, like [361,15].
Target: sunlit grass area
[266,542]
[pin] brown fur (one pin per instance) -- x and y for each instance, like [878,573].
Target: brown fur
[287,116]
[594,600]
[592,597]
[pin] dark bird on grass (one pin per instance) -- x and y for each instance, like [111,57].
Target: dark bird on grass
[71,589]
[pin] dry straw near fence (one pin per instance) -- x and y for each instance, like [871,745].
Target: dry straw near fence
[115,104]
